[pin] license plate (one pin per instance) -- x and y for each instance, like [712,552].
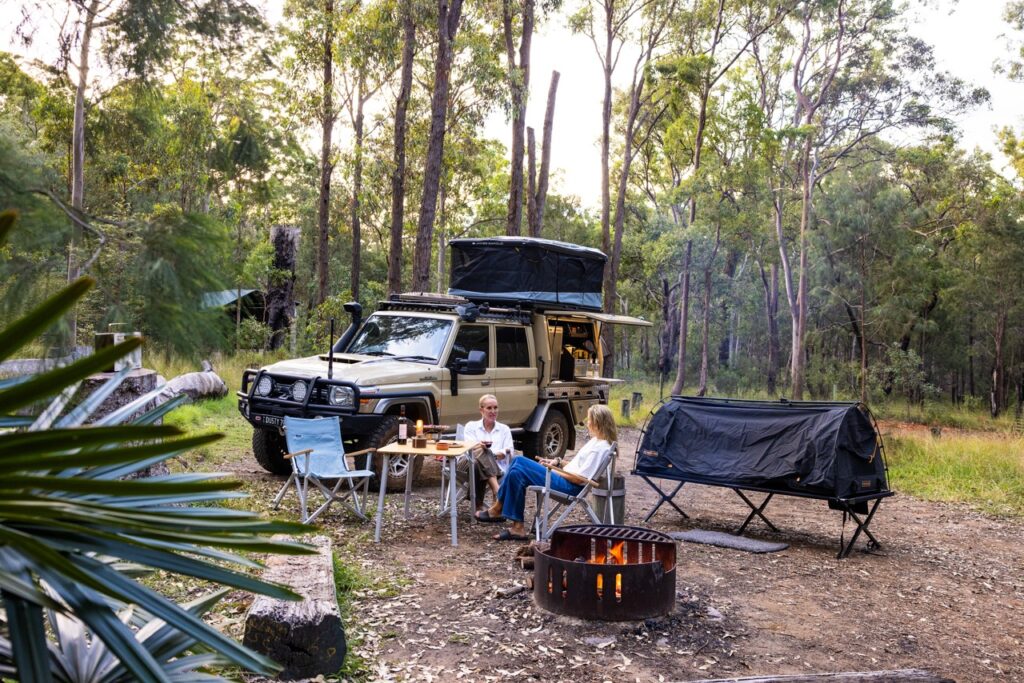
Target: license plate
[270,420]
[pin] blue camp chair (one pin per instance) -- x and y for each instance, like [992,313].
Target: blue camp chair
[317,455]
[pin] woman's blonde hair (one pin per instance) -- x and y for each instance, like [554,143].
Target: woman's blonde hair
[603,421]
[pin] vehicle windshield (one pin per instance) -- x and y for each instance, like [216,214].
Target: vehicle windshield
[409,338]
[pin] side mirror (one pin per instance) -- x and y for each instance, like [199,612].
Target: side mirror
[475,364]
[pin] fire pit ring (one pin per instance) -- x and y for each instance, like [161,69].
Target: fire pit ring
[613,573]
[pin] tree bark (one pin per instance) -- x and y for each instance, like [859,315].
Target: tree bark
[448,25]
[545,155]
[357,189]
[684,319]
[531,184]
[326,167]
[281,290]
[519,87]
[771,309]
[997,393]
[78,163]
[702,387]
[398,172]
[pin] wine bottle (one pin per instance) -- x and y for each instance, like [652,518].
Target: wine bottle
[403,426]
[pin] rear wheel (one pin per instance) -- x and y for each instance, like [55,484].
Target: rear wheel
[269,448]
[551,440]
[398,467]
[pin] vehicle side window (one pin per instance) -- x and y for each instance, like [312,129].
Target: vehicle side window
[469,338]
[511,349]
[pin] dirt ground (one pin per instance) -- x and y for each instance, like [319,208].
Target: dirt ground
[944,593]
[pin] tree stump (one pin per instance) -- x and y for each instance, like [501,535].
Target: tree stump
[307,638]
[280,293]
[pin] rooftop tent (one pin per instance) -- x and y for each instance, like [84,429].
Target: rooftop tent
[825,449]
[540,272]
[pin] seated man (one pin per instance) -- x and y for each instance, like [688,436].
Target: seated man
[492,447]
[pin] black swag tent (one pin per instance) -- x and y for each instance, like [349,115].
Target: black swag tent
[824,450]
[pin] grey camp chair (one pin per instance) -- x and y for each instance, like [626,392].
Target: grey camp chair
[317,455]
[549,502]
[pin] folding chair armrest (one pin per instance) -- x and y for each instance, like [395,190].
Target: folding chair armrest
[305,451]
[572,475]
[363,451]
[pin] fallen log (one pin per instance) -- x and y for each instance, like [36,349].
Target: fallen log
[307,638]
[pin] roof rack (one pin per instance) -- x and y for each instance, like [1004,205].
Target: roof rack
[466,309]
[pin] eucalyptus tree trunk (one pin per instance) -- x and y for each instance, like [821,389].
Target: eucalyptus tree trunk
[684,319]
[997,394]
[78,162]
[448,24]
[770,283]
[357,188]
[398,172]
[702,387]
[326,166]
[519,87]
[545,157]
[531,183]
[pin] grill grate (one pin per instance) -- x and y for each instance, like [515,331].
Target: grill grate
[616,533]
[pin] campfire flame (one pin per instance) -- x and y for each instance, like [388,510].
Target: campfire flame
[615,555]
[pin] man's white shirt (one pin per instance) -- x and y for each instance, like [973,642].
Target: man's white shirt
[500,438]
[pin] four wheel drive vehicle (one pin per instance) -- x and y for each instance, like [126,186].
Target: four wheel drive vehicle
[434,356]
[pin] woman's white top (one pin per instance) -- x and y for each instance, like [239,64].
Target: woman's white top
[589,459]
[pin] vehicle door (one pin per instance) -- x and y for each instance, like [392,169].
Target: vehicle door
[515,375]
[465,406]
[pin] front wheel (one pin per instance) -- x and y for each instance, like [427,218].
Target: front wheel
[268,447]
[551,440]
[398,467]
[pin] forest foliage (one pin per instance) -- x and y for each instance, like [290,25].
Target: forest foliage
[783,190]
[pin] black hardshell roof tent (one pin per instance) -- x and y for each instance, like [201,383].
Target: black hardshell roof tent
[822,449]
[527,270]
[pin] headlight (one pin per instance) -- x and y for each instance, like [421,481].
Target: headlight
[265,386]
[343,397]
[299,390]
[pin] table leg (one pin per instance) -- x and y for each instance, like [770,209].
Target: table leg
[408,482]
[380,496]
[452,493]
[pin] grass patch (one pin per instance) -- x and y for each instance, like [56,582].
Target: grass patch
[985,471]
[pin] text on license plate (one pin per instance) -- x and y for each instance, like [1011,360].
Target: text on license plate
[271,420]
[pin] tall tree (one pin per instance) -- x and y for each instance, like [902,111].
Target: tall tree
[519,88]
[327,118]
[368,34]
[448,16]
[398,169]
[541,184]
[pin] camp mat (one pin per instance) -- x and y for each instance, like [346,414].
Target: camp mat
[724,540]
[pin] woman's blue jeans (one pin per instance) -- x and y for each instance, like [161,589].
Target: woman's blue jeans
[522,473]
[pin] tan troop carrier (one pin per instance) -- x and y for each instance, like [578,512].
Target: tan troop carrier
[435,355]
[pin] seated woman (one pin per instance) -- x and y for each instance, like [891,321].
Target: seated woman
[511,499]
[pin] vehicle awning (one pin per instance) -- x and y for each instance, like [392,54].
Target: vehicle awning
[608,318]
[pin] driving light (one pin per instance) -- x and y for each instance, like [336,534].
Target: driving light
[265,386]
[299,391]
